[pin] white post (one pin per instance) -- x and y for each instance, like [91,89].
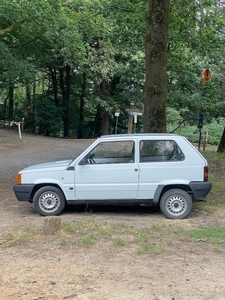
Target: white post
[116,115]
[19,129]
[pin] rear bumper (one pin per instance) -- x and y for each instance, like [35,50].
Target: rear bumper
[23,191]
[200,189]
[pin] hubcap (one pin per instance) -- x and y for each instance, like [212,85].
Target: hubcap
[49,201]
[176,205]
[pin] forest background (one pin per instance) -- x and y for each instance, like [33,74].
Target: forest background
[76,68]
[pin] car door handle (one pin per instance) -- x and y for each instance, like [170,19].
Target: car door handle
[135,170]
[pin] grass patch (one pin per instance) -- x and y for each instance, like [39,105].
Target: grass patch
[67,227]
[117,234]
[216,249]
[141,237]
[23,236]
[87,240]
[155,239]
[152,248]
[215,201]
[63,241]
[214,234]
[119,241]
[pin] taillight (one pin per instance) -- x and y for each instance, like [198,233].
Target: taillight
[19,179]
[206,172]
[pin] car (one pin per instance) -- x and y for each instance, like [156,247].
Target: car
[144,169]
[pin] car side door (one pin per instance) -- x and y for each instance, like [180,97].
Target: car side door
[108,171]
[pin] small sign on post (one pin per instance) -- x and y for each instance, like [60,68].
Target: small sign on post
[133,113]
[206,75]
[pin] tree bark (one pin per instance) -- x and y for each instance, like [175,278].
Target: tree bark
[53,73]
[28,93]
[105,123]
[65,82]
[221,147]
[11,100]
[81,114]
[97,123]
[51,226]
[156,66]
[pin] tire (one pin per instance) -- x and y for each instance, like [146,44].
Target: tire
[49,201]
[176,204]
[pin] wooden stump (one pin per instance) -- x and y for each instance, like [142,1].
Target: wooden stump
[51,226]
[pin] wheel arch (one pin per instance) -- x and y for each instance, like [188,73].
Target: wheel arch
[162,189]
[41,185]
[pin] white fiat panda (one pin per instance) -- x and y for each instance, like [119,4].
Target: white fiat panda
[151,169]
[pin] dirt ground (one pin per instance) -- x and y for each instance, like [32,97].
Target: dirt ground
[44,268]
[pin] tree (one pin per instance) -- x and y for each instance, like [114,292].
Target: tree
[14,25]
[221,147]
[88,63]
[196,42]
[156,66]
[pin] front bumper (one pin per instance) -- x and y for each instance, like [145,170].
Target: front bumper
[200,189]
[23,191]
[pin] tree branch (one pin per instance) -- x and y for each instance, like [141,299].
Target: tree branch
[17,23]
[28,42]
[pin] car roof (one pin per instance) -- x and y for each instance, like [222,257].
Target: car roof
[140,135]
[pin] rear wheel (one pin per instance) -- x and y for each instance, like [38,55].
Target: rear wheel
[176,204]
[49,201]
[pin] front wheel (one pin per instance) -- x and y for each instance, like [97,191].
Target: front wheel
[176,204]
[49,201]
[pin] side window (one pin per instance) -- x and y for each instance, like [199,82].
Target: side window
[112,152]
[156,150]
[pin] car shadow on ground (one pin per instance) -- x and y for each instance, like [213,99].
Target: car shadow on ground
[112,209]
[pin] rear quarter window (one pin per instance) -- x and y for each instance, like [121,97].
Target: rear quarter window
[160,150]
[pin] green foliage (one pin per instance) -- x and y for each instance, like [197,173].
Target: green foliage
[215,130]
[185,123]
[48,117]
[103,39]
[196,42]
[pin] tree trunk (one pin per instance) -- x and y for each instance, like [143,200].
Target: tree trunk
[156,66]
[105,114]
[105,123]
[4,108]
[11,100]
[54,84]
[65,89]
[28,94]
[221,147]
[81,115]
[100,91]
[97,123]
[51,226]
